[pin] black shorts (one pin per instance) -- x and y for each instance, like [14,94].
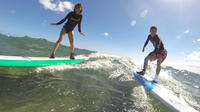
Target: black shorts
[67,29]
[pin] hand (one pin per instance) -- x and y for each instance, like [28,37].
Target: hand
[143,49]
[82,33]
[53,24]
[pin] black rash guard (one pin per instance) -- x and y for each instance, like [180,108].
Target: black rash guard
[156,41]
[73,20]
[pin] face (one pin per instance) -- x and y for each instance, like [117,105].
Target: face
[78,9]
[153,31]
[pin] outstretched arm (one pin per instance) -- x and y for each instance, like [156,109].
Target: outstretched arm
[63,20]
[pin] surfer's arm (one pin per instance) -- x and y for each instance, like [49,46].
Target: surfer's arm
[145,44]
[79,27]
[64,19]
[79,24]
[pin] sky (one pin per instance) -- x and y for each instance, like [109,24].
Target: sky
[118,27]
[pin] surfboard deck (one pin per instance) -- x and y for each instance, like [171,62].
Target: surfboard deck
[17,61]
[166,96]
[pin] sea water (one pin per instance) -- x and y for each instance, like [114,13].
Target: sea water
[103,83]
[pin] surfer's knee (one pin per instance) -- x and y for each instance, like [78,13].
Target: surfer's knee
[71,39]
[159,63]
[60,38]
[59,41]
[146,58]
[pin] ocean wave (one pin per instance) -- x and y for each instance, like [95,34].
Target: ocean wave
[102,83]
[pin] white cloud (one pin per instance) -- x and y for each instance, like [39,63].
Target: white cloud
[182,34]
[186,31]
[194,56]
[57,6]
[144,13]
[133,22]
[191,62]
[197,40]
[192,59]
[106,34]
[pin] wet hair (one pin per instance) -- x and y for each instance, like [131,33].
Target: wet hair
[79,5]
[153,27]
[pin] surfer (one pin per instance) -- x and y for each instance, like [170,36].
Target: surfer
[159,53]
[73,18]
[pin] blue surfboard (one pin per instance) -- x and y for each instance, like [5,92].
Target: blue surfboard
[167,97]
[146,83]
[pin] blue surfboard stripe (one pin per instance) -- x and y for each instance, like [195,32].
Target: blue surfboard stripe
[149,85]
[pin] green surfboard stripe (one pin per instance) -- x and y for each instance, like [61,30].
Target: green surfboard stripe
[37,63]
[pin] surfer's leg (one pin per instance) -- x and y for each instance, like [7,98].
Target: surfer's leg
[159,61]
[71,40]
[150,57]
[144,66]
[145,63]
[62,34]
[161,57]
[158,67]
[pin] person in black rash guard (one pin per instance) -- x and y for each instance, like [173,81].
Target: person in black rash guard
[74,18]
[159,53]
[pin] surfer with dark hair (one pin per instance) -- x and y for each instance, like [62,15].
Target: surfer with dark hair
[74,18]
[159,53]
